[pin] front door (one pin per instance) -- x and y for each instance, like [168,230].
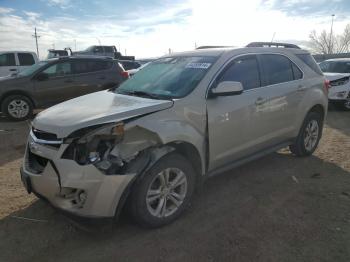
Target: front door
[232,118]
[59,85]
[7,64]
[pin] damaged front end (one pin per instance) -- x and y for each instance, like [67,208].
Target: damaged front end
[110,148]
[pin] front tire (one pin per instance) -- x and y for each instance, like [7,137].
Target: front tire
[17,107]
[309,135]
[163,193]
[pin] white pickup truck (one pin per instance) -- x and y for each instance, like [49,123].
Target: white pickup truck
[12,62]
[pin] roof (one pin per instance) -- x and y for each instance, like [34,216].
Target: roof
[221,50]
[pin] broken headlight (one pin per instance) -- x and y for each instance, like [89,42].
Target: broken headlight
[96,146]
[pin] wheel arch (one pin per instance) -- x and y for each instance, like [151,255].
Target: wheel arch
[14,93]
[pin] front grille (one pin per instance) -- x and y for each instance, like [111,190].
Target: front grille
[44,135]
[34,163]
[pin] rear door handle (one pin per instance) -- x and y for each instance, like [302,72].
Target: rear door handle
[69,81]
[13,69]
[101,77]
[260,101]
[301,88]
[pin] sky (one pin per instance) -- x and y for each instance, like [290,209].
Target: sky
[149,28]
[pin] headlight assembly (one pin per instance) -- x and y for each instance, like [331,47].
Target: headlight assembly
[94,147]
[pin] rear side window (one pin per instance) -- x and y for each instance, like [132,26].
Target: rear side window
[91,66]
[310,61]
[25,59]
[245,70]
[277,69]
[108,49]
[130,65]
[7,59]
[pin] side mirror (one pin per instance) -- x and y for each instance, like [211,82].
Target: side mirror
[227,88]
[42,76]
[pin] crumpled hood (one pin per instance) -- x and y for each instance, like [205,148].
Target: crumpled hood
[335,76]
[93,109]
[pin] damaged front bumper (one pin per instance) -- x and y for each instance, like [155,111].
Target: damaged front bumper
[81,190]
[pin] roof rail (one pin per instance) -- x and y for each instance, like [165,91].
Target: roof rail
[272,44]
[212,46]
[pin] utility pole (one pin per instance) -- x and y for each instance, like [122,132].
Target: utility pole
[273,36]
[36,36]
[330,37]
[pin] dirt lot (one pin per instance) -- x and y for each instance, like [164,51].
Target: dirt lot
[279,208]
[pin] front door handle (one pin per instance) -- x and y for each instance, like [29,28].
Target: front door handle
[260,101]
[13,69]
[69,81]
[101,77]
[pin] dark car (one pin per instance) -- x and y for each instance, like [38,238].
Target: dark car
[56,80]
[129,65]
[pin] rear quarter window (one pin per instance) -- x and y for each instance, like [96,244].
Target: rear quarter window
[310,62]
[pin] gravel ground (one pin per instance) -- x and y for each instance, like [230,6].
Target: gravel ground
[278,208]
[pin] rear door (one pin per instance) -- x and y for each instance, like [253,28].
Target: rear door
[59,86]
[25,60]
[278,99]
[7,64]
[92,76]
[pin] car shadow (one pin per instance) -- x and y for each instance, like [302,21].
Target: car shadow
[339,120]
[278,208]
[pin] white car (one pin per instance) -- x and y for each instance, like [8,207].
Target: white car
[337,71]
[13,62]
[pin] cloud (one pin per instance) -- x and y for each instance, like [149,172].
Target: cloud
[4,10]
[60,3]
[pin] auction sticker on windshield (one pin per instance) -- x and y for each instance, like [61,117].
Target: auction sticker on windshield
[198,65]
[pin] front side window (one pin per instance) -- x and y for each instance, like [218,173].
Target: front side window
[169,77]
[277,69]
[25,59]
[59,69]
[7,59]
[30,70]
[245,70]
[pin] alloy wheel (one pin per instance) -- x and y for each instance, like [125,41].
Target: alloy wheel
[166,192]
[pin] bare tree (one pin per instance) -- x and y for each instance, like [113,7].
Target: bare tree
[325,43]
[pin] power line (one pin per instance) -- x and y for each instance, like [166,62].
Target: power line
[36,36]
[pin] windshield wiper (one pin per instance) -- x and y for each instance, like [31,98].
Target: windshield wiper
[144,94]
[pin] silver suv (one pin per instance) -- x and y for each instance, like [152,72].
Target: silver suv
[181,119]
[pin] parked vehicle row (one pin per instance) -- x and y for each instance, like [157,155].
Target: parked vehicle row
[337,71]
[179,120]
[56,80]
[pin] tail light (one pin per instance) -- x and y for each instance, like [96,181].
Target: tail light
[124,74]
[327,85]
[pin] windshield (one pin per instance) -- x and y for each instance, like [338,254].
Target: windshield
[170,77]
[335,66]
[30,70]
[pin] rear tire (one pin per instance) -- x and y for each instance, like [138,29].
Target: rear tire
[309,135]
[163,193]
[17,107]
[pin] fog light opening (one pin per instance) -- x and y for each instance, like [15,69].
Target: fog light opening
[80,198]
